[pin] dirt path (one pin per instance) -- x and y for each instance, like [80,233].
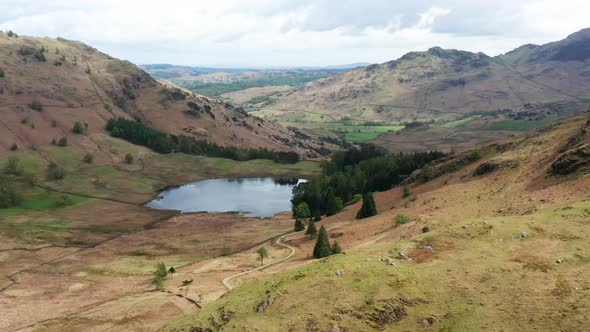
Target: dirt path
[226,281]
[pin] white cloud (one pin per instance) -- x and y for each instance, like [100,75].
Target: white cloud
[297,32]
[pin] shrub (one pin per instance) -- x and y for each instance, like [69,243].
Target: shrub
[36,106]
[425,229]
[88,158]
[1,72]
[401,219]
[336,249]
[13,147]
[262,253]
[62,201]
[406,191]
[78,128]
[53,142]
[302,211]
[53,123]
[474,155]
[11,34]
[55,172]
[9,195]
[355,198]
[40,56]
[13,167]
[226,251]
[160,275]
[129,158]
[317,218]
[63,142]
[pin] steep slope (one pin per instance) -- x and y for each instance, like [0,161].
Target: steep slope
[48,84]
[499,243]
[438,86]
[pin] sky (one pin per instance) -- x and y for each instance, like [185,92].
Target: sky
[274,33]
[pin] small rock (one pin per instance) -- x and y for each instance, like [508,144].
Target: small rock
[336,328]
[524,235]
[559,261]
[427,322]
[404,257]
[339,273]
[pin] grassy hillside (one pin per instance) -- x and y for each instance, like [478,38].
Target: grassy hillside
[499,243]
[47,85]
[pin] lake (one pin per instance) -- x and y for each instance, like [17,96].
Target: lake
[251,197]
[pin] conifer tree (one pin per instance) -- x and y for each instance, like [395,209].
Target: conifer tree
[368,208]
[322,245]
[299,226]
[333,203]
[311,230]
[336,249]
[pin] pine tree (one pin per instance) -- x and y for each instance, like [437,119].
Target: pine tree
[299,226]
[333,203]
[311,230]
[368,208]
[322,245]
[336,249]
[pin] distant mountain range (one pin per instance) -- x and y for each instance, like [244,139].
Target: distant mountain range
[532,82]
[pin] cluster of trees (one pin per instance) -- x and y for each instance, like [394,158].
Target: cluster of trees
[158,141]
[10,189]
[356,171]
[322,246]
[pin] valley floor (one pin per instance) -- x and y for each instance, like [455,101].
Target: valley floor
[89,266]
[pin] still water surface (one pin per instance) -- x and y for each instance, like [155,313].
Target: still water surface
[251,197]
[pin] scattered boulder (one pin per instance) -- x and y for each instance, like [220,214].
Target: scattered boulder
[427,322]
[404,256]
[265,304]
[339,273]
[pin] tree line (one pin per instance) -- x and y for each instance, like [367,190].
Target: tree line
[354,173]
[138,133]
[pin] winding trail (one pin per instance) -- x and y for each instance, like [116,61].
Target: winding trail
[226,281]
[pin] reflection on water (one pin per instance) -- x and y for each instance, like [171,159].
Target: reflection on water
[252,197]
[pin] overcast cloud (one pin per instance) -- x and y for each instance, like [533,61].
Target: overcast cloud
[295,32]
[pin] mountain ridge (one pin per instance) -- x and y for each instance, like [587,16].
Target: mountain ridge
[49,84]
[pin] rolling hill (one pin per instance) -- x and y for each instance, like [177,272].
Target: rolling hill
[46,85]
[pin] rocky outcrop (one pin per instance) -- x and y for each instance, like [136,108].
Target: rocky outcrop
[494,165]
[572,160]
